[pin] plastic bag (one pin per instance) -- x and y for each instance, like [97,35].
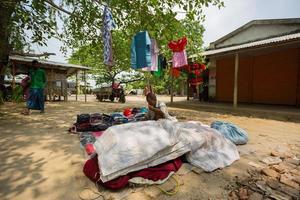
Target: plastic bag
[232,132]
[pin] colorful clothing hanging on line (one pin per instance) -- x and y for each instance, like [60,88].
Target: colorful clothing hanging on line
[108,25]
[154,57]
[175,72]
[179,58]
[141,51]
[162,64]
[195,73]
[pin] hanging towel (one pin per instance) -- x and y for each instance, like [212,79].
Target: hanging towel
[141,50]
[108,25]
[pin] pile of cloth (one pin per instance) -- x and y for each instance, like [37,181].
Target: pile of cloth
[126,152]
[123,149]
[100,122]
[91,126]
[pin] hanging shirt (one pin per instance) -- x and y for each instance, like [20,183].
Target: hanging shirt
[141,51]
[161,65]
[179,45]
[154,57]
[108,25]
[179,58]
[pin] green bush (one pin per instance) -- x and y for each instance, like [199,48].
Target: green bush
[17,94]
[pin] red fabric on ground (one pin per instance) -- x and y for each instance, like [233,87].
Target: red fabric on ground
[91,170]
[159,172]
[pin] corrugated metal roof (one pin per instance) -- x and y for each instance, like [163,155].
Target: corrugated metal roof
[46,62]
[251,44]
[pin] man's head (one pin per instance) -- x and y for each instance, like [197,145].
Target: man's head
[35,64]
[151,99]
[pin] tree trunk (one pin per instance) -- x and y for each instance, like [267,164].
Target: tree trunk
[6,10]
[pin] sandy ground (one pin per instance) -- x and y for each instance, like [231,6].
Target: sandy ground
[40,160]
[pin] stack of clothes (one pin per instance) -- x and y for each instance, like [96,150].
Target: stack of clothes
[91,126]
[149,152]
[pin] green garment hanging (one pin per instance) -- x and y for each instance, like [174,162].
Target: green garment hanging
[160,64]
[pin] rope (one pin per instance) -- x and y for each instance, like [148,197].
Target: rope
[94,192]
[172,191]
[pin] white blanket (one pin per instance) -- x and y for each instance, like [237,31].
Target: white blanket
[210,150]
[134,146]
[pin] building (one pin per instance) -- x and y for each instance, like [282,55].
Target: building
[257,63]
[56,73]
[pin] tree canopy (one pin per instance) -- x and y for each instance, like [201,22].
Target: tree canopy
[24,22]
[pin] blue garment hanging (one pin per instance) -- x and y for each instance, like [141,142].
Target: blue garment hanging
[108,25]
[141,50]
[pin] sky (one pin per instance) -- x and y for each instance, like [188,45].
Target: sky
[219,22]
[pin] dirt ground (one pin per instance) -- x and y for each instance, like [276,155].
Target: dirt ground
[40,160]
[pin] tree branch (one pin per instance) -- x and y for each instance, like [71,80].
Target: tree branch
[32,54]
[51,3]
[99,2]
[130,81]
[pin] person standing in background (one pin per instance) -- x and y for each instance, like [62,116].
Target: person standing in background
[36,100]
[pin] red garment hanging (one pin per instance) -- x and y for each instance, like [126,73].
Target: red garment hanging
[178,45]
[175,72]
[203,67]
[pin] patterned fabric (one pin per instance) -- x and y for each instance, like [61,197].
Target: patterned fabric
[179,59]
[108,25]
[141,51]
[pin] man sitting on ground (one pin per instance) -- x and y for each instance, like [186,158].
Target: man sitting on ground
[157,110]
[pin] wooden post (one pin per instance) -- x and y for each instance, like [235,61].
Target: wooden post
[85,86]
[14,74]
[65,83]
[76,86]
[197,91]
[188,89]
[235,89]
[51,82]
[172,85]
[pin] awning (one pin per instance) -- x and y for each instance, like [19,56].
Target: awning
[269,41]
